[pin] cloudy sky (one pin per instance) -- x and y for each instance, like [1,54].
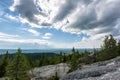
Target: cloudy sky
[43,24]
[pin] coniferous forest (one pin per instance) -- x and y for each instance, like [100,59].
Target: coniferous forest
[16,66]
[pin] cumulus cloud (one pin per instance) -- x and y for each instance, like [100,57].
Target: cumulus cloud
[67,8]
[26,8]
[37,13]
[98,17]
[29,12]
[47,36]
[32,31]
[91,17]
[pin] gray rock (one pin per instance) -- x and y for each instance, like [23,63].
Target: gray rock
[46,72]
[106,70]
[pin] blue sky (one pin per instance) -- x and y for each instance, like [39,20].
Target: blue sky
[43,24]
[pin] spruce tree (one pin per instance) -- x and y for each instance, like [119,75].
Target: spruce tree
[3,64]
[74,61]
[18,67]
[112,46]
[60,58]
[109,48]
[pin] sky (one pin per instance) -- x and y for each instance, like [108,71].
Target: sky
[46,24]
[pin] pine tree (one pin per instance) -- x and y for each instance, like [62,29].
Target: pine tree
[43,60]
[112,46]
[64,58]
[109,48]
[74,61]
[18,67]
[60,58]
[3,64]
[105,45]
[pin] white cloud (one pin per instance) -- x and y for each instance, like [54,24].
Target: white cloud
[30,41]
[87,43]
[47,36]
[4,35]
[73,16]
[25,43]
[17,39]
[36,33]
[95,18]
[37,13]
[11,17]
[16,2]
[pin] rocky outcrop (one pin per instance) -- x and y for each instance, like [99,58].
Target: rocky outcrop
[45,72]
[106,70]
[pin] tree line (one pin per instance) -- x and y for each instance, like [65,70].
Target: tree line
[17,67]
[110,49]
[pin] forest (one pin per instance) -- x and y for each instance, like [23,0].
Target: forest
[16,66]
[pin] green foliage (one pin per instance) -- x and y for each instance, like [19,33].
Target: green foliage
[74,60]
[118,47]
[18,67]
[3,64]
[51,60]
[109,49]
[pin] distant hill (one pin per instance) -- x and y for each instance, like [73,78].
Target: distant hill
[2,51]
[33,55]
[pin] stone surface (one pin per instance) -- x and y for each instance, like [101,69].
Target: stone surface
[106,70]
[45,72]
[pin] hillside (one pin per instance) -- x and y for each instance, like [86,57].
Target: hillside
[106,70]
